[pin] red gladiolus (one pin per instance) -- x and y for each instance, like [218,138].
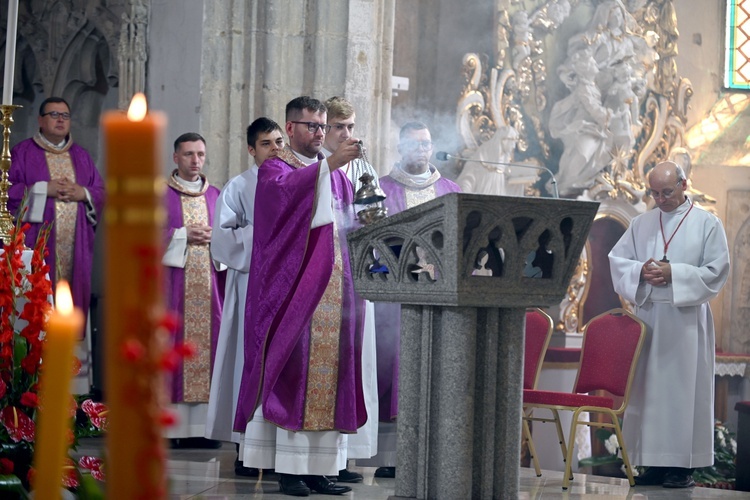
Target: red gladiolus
[30,399]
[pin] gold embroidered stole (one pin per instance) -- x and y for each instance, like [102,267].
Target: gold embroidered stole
[325,337]
[196,371]
[61,166]
[416,197]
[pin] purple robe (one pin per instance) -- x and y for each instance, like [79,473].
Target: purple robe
[29,166]
[175,281]
[388,315]
[290,270]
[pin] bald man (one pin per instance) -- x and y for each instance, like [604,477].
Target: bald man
[670,263]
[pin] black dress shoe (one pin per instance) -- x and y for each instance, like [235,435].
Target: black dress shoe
[290,484]
[385,472]
[679,478]
[653,476]
[347,476]
[194,443]
[243,471]
[321,484]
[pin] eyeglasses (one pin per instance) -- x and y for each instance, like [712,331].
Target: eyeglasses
[664,193]
[414,145]
[56,114]
[312,127]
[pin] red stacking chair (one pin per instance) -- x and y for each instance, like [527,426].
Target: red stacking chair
[539,327]
[612,343]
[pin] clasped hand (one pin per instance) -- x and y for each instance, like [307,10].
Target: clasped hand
[66,190]
[656,273]
[198,234]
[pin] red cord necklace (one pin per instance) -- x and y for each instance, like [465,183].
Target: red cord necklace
[668,241]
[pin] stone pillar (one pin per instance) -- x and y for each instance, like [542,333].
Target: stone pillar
[259,55]
[461,365]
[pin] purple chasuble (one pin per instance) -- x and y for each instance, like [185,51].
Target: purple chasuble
[175,278]
[29,166]
[290,270]
[388,315]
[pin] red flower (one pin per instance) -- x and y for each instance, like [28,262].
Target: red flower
[70,474]
[3,388]
[96,412]
[95,465]
[17,423]
[30,399]
[6,466]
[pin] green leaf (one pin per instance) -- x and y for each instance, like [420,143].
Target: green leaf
[13,483]
[90,488]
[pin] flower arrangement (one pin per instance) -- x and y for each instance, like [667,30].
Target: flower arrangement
[21,341]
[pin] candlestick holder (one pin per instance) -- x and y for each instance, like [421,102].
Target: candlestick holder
[6,220]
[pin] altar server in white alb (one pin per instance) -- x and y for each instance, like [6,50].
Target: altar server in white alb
[231,245]
[670,263]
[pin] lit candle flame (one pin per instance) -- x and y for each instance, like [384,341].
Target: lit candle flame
[63,298]
[138,108]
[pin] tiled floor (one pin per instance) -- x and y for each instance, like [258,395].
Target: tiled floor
[209,475]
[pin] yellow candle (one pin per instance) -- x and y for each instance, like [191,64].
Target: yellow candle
[136,452]
[63,331]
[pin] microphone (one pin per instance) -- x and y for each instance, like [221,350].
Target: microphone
[443,156]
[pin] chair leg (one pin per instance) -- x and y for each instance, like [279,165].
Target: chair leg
[532,448]
[560,435]
[568,477]
[623,451]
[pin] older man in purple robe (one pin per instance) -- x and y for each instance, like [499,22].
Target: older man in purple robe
[301,390]
[195,288]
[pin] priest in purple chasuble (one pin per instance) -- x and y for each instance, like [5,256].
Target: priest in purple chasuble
[670,263]
[301,390]
[195,288]
[63,188]
[411,182]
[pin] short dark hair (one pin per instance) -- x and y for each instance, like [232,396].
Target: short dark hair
[50,100]
[296,106]
[188,137]
[409,126]
[261,125]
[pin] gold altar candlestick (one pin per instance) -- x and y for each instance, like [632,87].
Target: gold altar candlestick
[6,220]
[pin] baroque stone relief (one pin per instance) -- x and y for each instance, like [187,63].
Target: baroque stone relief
[592,91]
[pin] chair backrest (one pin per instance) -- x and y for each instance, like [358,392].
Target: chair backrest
[612,343]
[538,333]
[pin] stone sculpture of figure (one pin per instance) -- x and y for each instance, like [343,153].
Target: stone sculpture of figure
[581,121]
[521,38]
[484,178]
[622,100]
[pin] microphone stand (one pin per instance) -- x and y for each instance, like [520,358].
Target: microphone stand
[443,156]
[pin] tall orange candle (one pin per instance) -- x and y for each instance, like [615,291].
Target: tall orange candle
[64,328]
[134,389]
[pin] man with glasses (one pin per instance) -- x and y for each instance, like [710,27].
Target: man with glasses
[301,389]
[65,191]
[412,181]
[670,263]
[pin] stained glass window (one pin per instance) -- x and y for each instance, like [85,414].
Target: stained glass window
[737,57]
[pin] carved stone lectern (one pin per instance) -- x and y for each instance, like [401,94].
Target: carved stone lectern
[465,268]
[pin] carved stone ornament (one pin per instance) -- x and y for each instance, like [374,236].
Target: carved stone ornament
[611,108]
